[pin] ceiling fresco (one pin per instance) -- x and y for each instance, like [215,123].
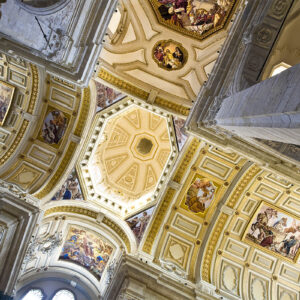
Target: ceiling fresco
[193,17]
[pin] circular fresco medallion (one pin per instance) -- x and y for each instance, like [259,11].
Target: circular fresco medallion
[169,55]
[200,195]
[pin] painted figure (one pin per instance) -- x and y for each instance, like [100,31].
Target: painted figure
[86,249]
[200,195]
[275,231]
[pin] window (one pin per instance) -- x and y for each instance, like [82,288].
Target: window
[279,68]
[63,295]
[34,294]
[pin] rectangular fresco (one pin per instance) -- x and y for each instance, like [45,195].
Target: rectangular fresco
[54,126]
[138,223]
[87,249]
[70,190]
[6,96]
[200,195]
[275,231]
[106,96]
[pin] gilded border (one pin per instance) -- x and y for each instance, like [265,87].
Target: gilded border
[132,90]
[224,24]
[85,106]
[157,222]
[89,213]
[34,90]
[241,185]
[211,247]
[264,249]
[15,143]
[186,160]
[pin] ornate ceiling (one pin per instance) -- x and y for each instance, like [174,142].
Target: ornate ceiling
[127,153]
[162,63]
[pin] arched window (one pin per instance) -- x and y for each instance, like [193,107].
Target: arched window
[279,68]
[33,294]
[63,295]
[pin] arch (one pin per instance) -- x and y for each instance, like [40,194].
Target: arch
[42,7]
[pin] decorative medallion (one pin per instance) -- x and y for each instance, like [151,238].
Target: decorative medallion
[86,249]
[54,126]
[169,55]
[6,96]
[275,231]
[196,18]
[200,195]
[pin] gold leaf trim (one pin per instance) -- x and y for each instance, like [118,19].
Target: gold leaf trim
[156,225]
[122,85]
[211,247]
[61,169]
[186,160]
[193,34]
[85,106]
[131,89]
[118,230]
[71,209]
[15,143]
[173,106]
[89,213]
[34,89]
[240,187]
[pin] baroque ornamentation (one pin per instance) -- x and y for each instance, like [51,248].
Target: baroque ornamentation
[169,55]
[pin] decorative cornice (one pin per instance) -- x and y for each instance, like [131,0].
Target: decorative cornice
[211,246]
[122,85]
[71,209]
[15,143]
[84,110]
[186,160]
[119,231]
[92,214]
[242,184]
[183,110]
[34,90]
[60,171]
[157,222]
[132,90]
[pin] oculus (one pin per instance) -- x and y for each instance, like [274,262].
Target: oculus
[169,55]
[6,96]
[86,249]
[54,126]
[193,17]
[200,195]
[275,231]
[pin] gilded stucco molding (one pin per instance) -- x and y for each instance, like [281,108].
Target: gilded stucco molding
[211,245]
[172,106]
[133,90]
[60,171]
[89,213]
[71,209]
[186,160]
[34,90]
[15,143]
[122,85]
[119,231]
[240,187]
[157,222]
[85,106]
